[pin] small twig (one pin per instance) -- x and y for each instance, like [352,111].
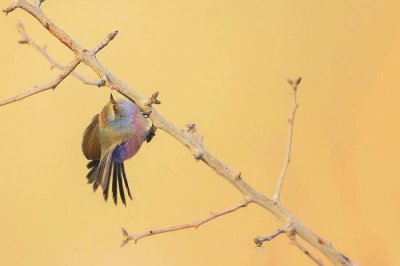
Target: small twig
[153,99]
[11,7]
[196,224]
[281,177]
[293,241]
[26,39]
[52,85]
[104,42]
[260,240]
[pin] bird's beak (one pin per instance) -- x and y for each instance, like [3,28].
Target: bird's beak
[112,99]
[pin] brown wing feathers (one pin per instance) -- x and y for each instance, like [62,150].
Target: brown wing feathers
[91,140]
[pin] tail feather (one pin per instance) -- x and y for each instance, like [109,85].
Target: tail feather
[125,180]
[120,186]
[114,189]
[106,189]
[118,179]
[92,165]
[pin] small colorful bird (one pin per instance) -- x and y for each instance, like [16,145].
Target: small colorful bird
[113,136]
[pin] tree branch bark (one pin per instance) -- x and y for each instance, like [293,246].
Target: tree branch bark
[184,137]
[293,241]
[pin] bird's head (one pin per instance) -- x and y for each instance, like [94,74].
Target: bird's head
[115,110]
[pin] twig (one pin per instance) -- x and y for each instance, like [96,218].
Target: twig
[185,138]
[26,39]
[196,224]
[11,7]
[153,99]
[104,42]
[51,85]
[281,177]
[260,240]
[293,241]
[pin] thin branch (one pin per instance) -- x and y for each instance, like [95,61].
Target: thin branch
[293,241]
[26,39]
[184,137]
[281,177]
[51,85]
[153,99]
[104,42]
[260,240]
[195,224]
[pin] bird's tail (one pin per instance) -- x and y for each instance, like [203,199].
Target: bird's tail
[118,180]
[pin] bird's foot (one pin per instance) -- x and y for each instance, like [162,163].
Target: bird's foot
[151,133]
[146,115]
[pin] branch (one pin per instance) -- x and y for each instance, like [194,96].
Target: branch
[260,240]
[293,241]
[184,137]
[278,189]
[51,85]
[26,39]
[195,225]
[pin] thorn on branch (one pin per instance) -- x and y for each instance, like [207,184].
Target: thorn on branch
[126,237]
[238,176]
[153,99]
[192,130]
[294,83]
[101,83]
[104,42]
[198,155]
[23,41]
[10,8]
[112,35]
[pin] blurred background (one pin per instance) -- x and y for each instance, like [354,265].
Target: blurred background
[223,65]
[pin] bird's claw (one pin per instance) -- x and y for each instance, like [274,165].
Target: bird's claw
[146,115]
[151,133]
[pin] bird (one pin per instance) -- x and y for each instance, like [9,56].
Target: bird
[113,136]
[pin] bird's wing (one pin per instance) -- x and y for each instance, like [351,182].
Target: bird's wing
[91,146]
[104,169]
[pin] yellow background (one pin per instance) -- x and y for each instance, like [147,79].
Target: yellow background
[223,65]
